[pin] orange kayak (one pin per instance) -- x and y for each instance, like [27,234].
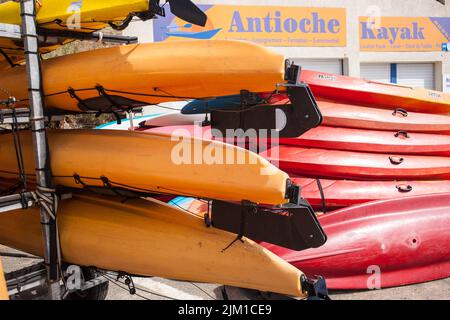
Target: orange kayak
[375,94]
[138,75]
[153,163]
[150,238]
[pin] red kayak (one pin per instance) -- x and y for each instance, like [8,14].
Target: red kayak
[375,94]
[350,116]
[332,164]
[357,117]
[400,142]
[345,193]
[381,244]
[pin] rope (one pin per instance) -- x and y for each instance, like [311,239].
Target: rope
[18,150]
[125,186]
[116,282]
[48,203]
[167,95]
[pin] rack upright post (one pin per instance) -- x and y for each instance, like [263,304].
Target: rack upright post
[40,143]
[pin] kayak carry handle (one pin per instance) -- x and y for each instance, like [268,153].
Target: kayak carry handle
[396,160]
[404,188]
[402,134]
[400,111]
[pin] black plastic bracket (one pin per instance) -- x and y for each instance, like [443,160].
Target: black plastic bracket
[292,192]
[316,288]
[155,9]
[283,121]
[293,226]
[249,99]
[292,72]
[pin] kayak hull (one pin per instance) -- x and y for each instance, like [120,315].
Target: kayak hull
[332,164]
[400,142]
[381,244]
[350,116]
[144,74]
[152,163]
[149,238]
[346,193]
[340,194]
[375,94]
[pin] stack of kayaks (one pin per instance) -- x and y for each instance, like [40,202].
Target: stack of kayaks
[370,153]
[381,244]
[382,152]
[362,152]
[143,237]
[385,165]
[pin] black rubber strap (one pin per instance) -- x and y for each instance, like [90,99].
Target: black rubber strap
[109,186]
[79,181]
[322,195]
[102,92]
[241,233]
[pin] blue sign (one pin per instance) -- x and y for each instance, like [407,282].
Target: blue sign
[445,46]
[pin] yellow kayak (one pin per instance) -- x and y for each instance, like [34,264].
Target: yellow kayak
[150,238]
[3,290]
[83,16]
[138,75]
[153,163]
[94,14]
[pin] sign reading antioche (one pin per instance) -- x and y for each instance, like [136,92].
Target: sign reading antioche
[403,33]
[270,26]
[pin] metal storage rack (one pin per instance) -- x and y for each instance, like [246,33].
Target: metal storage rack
[45,196]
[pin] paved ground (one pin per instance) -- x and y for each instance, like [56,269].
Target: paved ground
[162,289]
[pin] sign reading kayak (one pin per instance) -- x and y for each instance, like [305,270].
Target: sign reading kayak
[403,33]
[270,26]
